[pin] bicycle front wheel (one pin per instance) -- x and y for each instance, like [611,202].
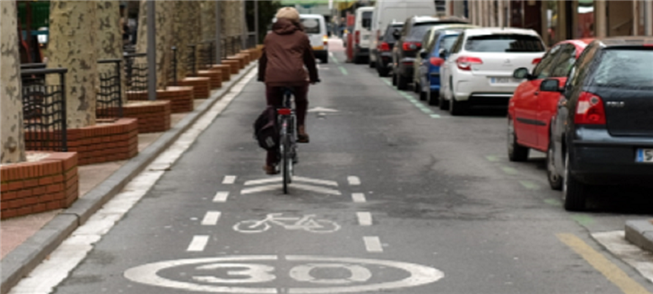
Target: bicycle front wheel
[286,156]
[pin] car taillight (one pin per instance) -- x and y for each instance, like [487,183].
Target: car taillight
[537,60]
[436,61]
[465,63]
[384,46]
[357,37]
[590,110]
[410,46]
[325,40]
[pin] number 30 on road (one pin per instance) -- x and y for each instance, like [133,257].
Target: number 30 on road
[232,274]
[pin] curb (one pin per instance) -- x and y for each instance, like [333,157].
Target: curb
[640,233]
[27,256]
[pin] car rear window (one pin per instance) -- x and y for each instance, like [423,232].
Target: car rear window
[367,19]
[419,30]
[311,25]
[388,32]
[447,42]
[513,43]
[627,68]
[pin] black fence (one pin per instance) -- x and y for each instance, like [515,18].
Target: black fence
[174,63]
[231,46]
[109,98]
[44,108]
[135,72]
[251,40]
[191,61]
[207,54]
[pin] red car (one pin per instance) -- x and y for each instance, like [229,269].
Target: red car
[530,111]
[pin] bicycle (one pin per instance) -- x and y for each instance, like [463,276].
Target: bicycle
[287,120]
[307,223]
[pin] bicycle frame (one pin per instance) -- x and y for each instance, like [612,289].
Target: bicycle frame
[287,147]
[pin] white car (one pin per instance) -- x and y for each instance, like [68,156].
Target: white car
[479,68]
[362,34]
[315,28]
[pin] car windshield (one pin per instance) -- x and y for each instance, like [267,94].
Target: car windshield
[513,43]
[311,25]
[626,68]
[447,42]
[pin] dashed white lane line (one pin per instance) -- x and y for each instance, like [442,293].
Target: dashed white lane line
[358,197]
[228,180]
[198,243]
[353,181]
[211,218]
[373,244]
[364,218]
[221,197]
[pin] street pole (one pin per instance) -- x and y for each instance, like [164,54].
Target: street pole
[151,51]
[218,34]
[648,18]
[245,31]
[256,22]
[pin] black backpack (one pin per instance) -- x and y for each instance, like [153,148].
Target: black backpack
[266,129]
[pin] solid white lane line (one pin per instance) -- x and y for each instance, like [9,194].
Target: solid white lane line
[198,243]
[364,218]
[228,180]
[221,197]
[373,244]
[211,218]
[260,189]
[358,197]
[353,181]
[263,181]
[315,181]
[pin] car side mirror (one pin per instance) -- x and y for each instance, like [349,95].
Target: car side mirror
[396,34]
[443,53]
[423,54]
[521,73]
[550,85]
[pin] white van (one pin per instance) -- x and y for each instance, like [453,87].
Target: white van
[387,11]
[362,34]
[315,28]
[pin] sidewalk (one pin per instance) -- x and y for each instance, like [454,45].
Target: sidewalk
[26,241]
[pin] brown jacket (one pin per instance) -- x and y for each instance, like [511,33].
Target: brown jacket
[287,49]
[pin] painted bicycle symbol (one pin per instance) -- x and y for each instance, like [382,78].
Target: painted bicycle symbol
[307,223]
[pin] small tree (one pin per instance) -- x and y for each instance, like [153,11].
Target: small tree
[109,41]
[12,136]
[164,11]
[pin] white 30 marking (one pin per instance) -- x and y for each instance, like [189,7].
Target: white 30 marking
[358,268]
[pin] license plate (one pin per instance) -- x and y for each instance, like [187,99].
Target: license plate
[644,155]
[503,80]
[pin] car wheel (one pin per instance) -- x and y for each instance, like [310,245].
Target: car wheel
[325,59]
[457,107]
[402,82]
[555,180]
[394,79]
[383,72]
[516,152]
[444,104]
[573,191]
[433,98]
[370,63]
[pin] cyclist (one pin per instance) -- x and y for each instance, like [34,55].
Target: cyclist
[287,50]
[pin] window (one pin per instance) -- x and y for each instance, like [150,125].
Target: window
[543,69]
[311,25]
[627,68]
[448,41]
[419,29]
[512,43]
[565,61]
[458,44]
[425,39]
[367,19]
[579,70]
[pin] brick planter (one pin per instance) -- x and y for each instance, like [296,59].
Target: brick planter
[47,181]
[248,56]
[214,75]
[181,98]
[240,59]
[234,64]
[201,86]
[153,116]
[225,69]
[108,140]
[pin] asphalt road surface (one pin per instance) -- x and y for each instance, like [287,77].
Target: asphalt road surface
[392,196]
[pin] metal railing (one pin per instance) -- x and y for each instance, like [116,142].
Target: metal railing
[172,75]
[135,72]
[44,108]
[191,62]
[231,46]
[109,98]
[207,54]
[251,40]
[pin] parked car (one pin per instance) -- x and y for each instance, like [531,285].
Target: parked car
[362,35]
[392,11]
[383,52]
[603,129]
[427,63]
[315,28]
[530,111]
[409,43]
[479,69]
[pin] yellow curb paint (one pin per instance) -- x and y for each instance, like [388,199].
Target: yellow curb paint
[611,271]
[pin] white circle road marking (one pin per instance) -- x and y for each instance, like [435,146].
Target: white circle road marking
[418,274]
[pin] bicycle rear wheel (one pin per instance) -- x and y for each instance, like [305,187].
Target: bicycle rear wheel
[286,156]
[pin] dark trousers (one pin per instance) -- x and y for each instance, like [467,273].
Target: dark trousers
[274,97]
